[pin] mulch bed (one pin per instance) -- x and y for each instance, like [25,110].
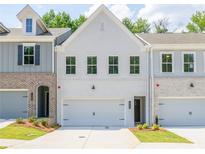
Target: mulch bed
[148,129]
[40,127]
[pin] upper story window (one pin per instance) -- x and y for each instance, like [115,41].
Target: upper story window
[29,25]
[188,59]
[113,64]
[92,65]
[166,62]
[29,55]
[70,65]
[134,65]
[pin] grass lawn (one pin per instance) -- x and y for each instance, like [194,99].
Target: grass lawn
[158,136]
[3,147]
[14,131]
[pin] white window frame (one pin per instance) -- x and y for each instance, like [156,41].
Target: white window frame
[113,65]
[161,53]
[194,53]
[29,45]
[31,26]
[135,65]
[92,65]
[70,64]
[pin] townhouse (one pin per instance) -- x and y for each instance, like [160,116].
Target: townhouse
[101,75]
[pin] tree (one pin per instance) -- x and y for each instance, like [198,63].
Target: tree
[78,22]
[139,26]
[197,23]
[161,25]
[128,23]
[62,20]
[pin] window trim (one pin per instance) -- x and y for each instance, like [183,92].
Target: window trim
[109,65]
[139,65]
[75,64]
[87,65]
[29,45]
[164,52]
[31,25]
[188,52]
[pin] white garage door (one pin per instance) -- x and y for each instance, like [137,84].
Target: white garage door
[13,104]
[182,112]
[93,113]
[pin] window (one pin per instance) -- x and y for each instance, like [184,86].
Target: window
[113,65]
[28,55]
[166,62]
[92,65]
[29,25]
[188,62]
[70,65]
[134,65]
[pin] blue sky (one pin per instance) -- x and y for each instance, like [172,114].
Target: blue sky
[179,15]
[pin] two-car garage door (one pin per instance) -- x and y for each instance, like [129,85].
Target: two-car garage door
[181,112]
[93,113]
[13,104]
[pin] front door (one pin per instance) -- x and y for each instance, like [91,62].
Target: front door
[137,105]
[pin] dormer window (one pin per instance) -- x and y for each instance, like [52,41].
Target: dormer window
[28,25]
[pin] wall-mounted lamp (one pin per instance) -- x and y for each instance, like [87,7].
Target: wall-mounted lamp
[31,96]
[191,85]
[93,87]
[59,87]
[157,85]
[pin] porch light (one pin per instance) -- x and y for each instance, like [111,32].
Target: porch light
[31,96]
[93,87]
[191,85]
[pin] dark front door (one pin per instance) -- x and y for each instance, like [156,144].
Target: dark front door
[137,110]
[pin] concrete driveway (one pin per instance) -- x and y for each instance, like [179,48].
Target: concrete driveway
[87,137]
[5,122]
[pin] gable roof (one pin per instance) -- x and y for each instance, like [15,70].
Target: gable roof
[104,9]
[3,29]
[28,9]
[173,38]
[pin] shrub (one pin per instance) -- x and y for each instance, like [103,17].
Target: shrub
[32,119]
[139,126]
[155,127]
[44,122]
[145,126]
[36,123]
[19,121]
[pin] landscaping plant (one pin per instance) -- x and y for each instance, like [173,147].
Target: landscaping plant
[20,121]
[145,126]
[44,122]
[36,123]
[32,119]
[139,126]
[155,127]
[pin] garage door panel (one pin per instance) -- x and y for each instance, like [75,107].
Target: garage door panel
[93,112]
[182,112]
[13,104]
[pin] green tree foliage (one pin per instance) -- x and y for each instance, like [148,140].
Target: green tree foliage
[161,25]
[197,23]
[139,26]
[62,20]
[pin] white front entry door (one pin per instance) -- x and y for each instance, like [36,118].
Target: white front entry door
[179,112]
[93,113]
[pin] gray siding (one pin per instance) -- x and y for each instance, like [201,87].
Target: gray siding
[38,30]
[9,57]
[60,39]
[178,64]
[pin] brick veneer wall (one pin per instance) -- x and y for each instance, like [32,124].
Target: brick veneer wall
[32,81]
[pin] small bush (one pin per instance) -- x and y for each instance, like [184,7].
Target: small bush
[19,121]
[155,127]
[145,126]
[36,123]
[139,126]
[44,122]
[32,119]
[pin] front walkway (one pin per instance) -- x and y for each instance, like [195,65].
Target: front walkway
[87,137]
[4,122]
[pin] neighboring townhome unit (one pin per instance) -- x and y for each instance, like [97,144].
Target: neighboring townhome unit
[27,67]
[102,75]
[178,78]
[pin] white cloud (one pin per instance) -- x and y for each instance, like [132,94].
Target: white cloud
[121,11]
[179,15]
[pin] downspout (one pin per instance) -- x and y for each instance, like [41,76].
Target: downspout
[151,86]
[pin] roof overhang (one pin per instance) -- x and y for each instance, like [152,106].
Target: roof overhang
[172,47]
[27,39]
[3,29]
